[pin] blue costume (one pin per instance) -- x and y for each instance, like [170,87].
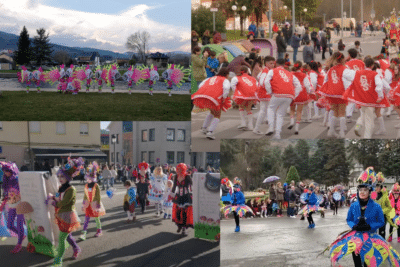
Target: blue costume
[213,63]
[373,215]
[238,207]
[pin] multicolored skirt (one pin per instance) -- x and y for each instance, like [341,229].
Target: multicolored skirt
[310,208]
[241,210]
[372,248]
[67,221]
[182,216]
[93,210]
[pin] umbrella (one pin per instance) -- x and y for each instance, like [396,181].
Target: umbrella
[271,179]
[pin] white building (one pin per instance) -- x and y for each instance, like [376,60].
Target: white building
[153,142]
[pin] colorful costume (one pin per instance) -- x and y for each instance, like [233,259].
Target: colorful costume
[182,210]
[312,202]
[143,186]
[26,77]
[38,78]
[167,201]
[364,218]
[89,77]
[92,201]
[100,75]
[382,198]
[175,75]
[130,203]
[154,76]
[12,198]
[113,75]
[127,77]
[157,190]
[394,198]
[66,216]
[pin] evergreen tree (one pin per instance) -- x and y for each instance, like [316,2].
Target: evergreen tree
[42,47]
[289,157]
[292,175]
[302,150]
[23,54]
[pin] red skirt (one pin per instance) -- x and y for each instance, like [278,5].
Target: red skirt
[182,216]
[67,221]
[204,103]
[245,102]
[337,101]
[302,98]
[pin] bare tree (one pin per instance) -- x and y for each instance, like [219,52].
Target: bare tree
[61,57]
[138,42]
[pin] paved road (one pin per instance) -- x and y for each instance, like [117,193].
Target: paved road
[283,241]
[227,129]
[120,87]
[150,241]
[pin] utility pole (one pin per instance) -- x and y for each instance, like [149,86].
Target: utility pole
[270,19]
[293,16]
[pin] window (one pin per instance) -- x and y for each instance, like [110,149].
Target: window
[60,127]
[112,157]
[180,157]
[144,135]
[151,157]
[144,154]
[170,157]
[180,137]
[84,129]
[1,126]
[170,134]
[117,159]
[34,126]
[152,135]
[117,138]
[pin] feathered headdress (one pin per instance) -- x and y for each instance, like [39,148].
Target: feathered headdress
[396,188]
[91,171]
[380,178]
[71,169]
[367,178]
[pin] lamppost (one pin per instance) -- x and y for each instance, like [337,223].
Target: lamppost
[234,8]
[270,19]
[305,11]
[285,8]
[293,16]
[244,8]
[341,32]
[113,141]
[324,20]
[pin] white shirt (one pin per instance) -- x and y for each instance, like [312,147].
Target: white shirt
[388,76]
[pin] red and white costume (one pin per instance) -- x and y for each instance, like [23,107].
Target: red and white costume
[355,64]
[263,97]
[284,87]
[212,93]
[384,64]
[303,97]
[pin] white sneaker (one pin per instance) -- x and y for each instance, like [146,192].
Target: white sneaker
[308,121]
[204,130]
[242,127]
[210,136]
[357,130]
[250,126]
[277,137]
[349,120]
[262,216]
[316,117]
[292,216]
[169,94]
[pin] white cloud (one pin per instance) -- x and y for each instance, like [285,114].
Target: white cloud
[100,30]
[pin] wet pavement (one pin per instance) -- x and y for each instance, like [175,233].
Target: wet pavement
[284,241]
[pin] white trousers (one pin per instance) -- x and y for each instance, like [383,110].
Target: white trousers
[277,107]
[261,114]
[366,119]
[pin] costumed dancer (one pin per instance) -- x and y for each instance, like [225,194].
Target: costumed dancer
[357,65]
[89,77]
[157,182]
[182,210]
[394,198]
[213,95]
[73,86]
[113,75]
[337,80]
[69,73]
[296,107]
[62,85]
[382,198]
[38,78]
[64,202]
[11,197]
[142,184]
[317,78]
[127,77]
[392,76]
[92,205]
[25,76]
[237,207]
[167,200]
[175,75]
[226,191]
[154,76]
[284,87]
[364,218]
[130,201]
[312,201]
[262,94]
[336,197]
[366,91]
[244,87]
[100,75]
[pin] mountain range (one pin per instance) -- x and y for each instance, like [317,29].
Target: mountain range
[10,41]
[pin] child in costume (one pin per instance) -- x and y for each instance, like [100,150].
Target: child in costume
[157,182]
[100,75]
[382,198]
[182,211]
[127,77]
[364,218]
[25,76]
[142,185]
[64,202]
[174,75]
[395,203]
[130,201]
[312,204]
[92,205]
[9,173]
[38,78]
[154,76]
[89,76]
[167,200]
[113,75]
[167,75]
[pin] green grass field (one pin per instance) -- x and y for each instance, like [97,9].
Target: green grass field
[52,106]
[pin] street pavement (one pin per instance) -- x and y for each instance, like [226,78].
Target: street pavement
[284,241]
[227,129]
[12,84]
[149,241]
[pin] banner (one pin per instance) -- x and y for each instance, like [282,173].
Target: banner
[206,209]
[42,229]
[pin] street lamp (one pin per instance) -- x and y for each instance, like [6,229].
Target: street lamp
[113,141]
[234,8]
[305,11]
[244,8]
[285,8]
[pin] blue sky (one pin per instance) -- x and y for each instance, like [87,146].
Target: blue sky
[102,24]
